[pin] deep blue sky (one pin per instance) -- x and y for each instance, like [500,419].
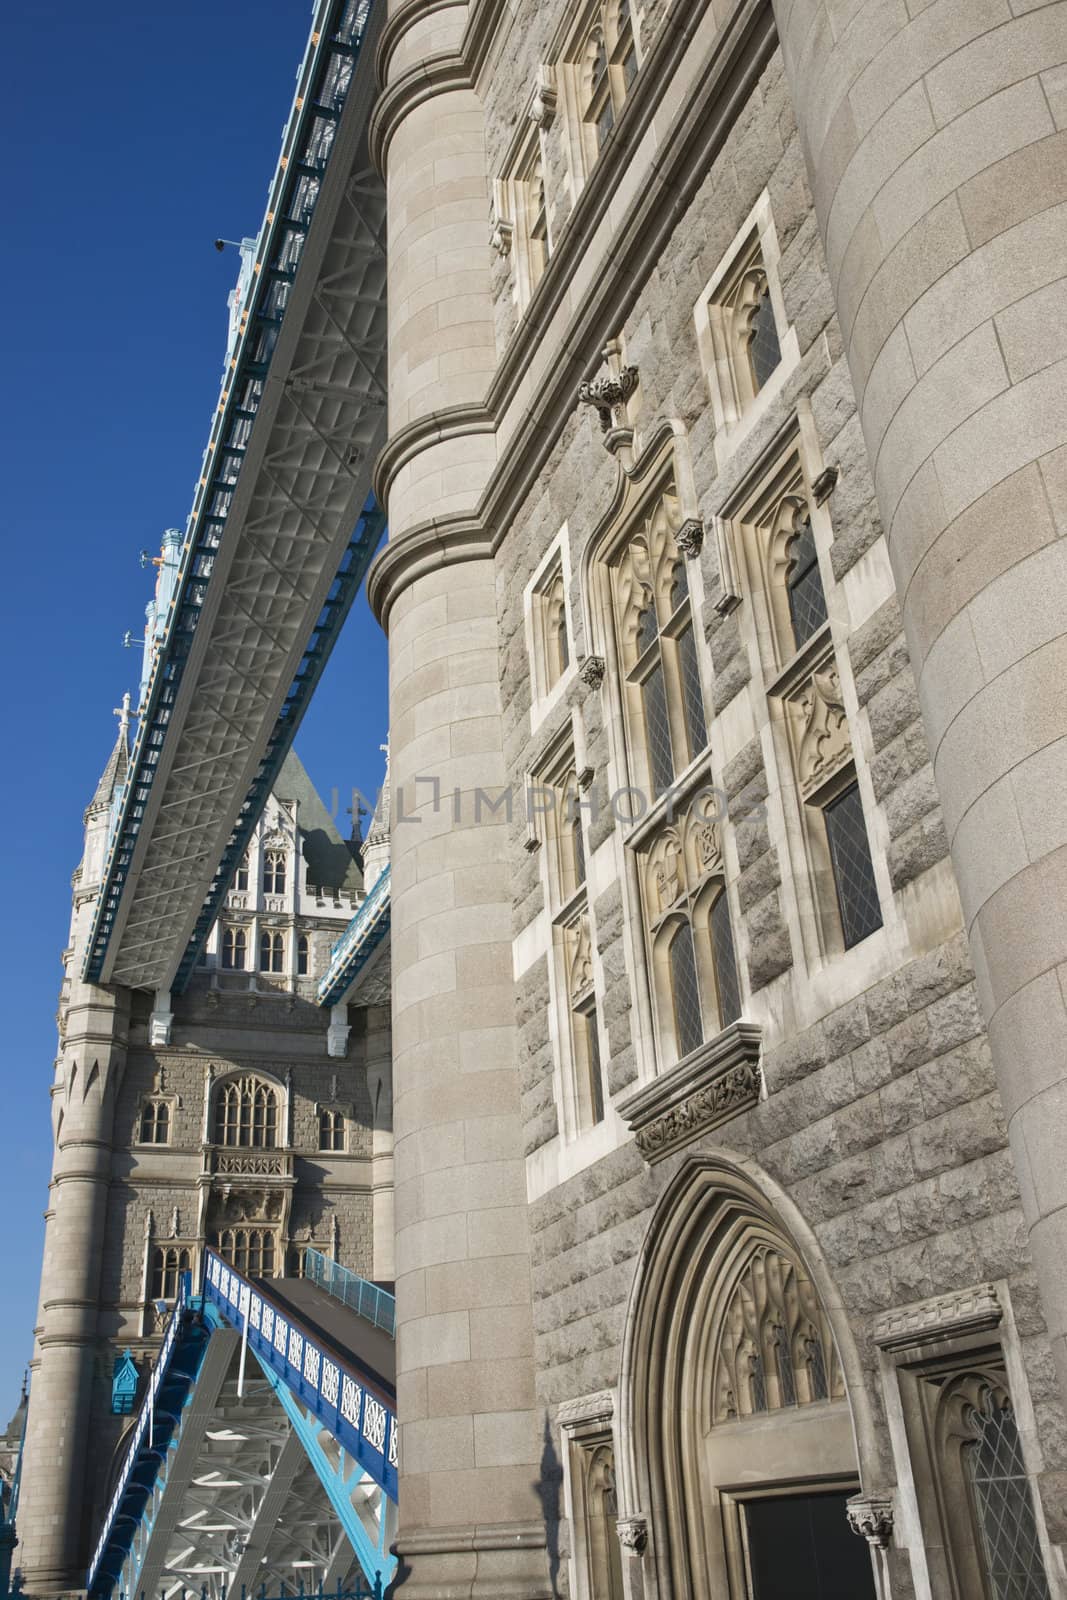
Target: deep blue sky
[135,136]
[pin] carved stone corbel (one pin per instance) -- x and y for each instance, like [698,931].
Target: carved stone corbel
[501,232]
[871,1517]
[633,1534]
[542,107]
[690,536]
[608,395]
[591,671]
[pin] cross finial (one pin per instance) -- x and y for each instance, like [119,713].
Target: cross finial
[123,713]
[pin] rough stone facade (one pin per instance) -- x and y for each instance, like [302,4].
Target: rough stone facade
[877,1146]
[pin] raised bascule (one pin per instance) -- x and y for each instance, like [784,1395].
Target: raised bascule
[684,1042]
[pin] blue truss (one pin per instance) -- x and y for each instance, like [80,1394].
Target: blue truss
[359,1412]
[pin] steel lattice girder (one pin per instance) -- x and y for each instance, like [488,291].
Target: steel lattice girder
[287,529]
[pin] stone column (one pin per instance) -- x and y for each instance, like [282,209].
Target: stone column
[470,1516]
[56,1498]
[936,141]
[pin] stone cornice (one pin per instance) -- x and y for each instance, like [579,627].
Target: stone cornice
[440,542]
[404,17]
[448,423]
[706,1089]
[741,51]
[943,1317]
[433,75]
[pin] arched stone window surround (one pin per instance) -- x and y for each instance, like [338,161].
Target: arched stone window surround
[704,1227]
[599,62]
[225,1084]
[665,458]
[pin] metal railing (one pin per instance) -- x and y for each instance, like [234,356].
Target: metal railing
[365,1299]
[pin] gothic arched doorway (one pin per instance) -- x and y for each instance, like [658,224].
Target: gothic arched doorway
[736,1422]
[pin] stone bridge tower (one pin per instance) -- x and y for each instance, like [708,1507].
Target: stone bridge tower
[936,142]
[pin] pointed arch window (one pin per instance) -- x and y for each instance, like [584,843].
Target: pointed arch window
[250,1250]
[271,951]
[663,697]
[274,872]
[607,67]
[303,955]
[246,1114]
[155,1122]
[168,1264]
[690,932]
[234,949]
[240,881]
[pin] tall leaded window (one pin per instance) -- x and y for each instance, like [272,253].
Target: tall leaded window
[554,627]
[584,1022]
[853,870]
[155,1122]
[274,872]
[168,1264]
[271,951]
[663,696]
[782,556]
[742,344]
[240,880]
[690,935]
[234,949]
[607,67]
[303,955]
[246,1113]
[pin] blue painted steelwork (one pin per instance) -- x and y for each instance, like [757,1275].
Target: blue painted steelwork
[358,1412]
[327,71]
[173,1379]
[365,541]
[339,1482]
[356,945]
[375,1305]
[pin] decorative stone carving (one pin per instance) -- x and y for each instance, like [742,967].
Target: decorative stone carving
[591,671]
[581,966]
[774,1349]
[699,1094]
[825,746]
[542,107]
[175,1222]
[825,484]
[244,1164]
[633,1534]
[501,232]
[597,1407]
[608,394]
[871,1517]
[964,1311]
[690,536]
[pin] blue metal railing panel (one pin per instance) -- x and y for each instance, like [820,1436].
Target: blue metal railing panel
[366,1299]
[323,83]
[148,1441]
[363,1423]
[361,938]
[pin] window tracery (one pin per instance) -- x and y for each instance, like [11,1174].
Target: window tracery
[274,871]
[774,1347]
[251,1250]
[781,550]
[246,1113]
[155,1122]
[271,951]
[234,949]
[331,1128]
[606,68]
[168,1264]
[663,697]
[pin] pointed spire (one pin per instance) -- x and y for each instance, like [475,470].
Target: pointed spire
[114,774]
